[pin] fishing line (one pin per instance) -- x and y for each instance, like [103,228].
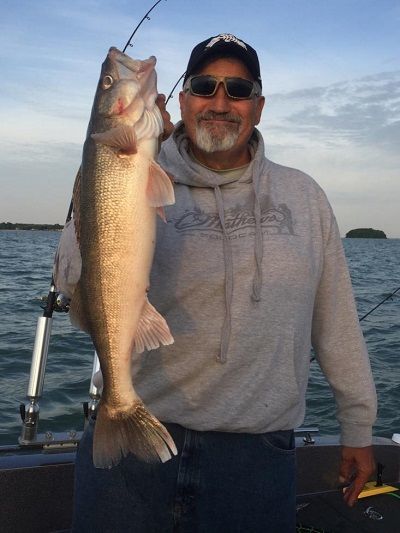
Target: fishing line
[146,17]
[369,312]
[380,303]
[393,494]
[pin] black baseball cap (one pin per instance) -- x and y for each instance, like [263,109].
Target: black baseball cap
[224,44]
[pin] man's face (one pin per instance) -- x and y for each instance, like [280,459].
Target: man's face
[220,125]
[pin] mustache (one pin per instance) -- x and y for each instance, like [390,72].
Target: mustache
[212,115]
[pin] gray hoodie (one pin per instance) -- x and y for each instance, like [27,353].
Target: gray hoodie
[249,273]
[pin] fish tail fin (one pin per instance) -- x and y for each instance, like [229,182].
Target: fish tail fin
[135,430]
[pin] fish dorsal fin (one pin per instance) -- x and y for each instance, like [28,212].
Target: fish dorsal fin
[123,138]
[68,262]
[160,190]
[152,330]
[76,203]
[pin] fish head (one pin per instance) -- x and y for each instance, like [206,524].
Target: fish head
[126,86]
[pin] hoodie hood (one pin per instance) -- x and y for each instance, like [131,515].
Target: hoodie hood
[175,159]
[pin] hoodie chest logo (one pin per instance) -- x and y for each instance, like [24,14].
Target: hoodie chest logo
[239,220]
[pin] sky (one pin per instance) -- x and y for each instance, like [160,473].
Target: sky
[331,78]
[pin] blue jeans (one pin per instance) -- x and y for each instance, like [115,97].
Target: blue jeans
[218,483]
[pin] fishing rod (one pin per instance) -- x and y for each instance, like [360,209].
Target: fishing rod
[173,89]
[146,16]
[380,303]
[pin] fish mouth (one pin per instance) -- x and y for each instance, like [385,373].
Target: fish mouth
[122,60]
[130,78]
[133,65]
[126,87]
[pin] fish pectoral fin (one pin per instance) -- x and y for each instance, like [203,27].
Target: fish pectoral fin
[161,213]
[123,138]
[160,190]
[152,330]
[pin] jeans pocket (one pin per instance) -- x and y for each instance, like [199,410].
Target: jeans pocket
[282,442]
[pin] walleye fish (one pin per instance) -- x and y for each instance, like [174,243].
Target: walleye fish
[106,251]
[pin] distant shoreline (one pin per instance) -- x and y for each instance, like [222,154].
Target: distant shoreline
[20,226]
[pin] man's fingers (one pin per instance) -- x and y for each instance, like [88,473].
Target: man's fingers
[352,491]
[356,467]
[160,101]
[168,126]
[346,471]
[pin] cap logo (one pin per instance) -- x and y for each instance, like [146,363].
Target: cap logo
[228,38]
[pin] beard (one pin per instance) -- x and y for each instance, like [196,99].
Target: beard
[217,138]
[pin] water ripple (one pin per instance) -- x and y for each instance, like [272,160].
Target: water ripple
[26,259]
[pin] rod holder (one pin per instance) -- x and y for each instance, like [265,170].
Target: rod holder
[90,407]
[39,357]
[93,390]
[30,423]
[36,378]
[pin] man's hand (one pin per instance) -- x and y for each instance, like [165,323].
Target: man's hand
[168,126]
[356,467]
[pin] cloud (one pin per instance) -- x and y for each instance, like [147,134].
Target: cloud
[358,112]
[346,135]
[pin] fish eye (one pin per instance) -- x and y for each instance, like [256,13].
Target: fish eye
[107,81]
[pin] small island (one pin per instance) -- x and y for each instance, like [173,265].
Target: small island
[365,233]
[20,226]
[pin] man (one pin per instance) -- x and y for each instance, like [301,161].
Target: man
[249,271]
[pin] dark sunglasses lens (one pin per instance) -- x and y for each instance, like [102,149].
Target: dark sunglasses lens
[239,88]
[203,85]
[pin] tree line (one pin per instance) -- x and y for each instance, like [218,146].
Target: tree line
[18,225]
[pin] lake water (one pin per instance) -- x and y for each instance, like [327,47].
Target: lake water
[26,259]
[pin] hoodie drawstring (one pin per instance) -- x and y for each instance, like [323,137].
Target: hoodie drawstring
[227,325]
[258,247]
[257,279]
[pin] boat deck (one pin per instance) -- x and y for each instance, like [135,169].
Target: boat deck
[36,491]
[326,513]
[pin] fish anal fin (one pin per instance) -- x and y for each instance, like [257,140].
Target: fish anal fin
[134,430]
[123,138]
[152,330]
[160,190]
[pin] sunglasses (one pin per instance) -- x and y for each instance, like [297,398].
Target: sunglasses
[237,88]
